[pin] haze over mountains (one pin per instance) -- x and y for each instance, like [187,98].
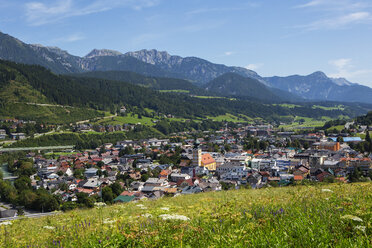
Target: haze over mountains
[222,79]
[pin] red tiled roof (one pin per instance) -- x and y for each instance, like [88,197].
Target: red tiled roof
[207,159]
[298,177]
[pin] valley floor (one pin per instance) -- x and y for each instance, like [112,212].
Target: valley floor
[333,215]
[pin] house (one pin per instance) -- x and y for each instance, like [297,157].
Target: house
[17,136]
[229,167]
[254,179]
[286,177]
[170,191]
[164,174]
[92,183]
[91,172]
[156,182]
[208,161]
[332,146]
[124,198]
[298,177]
[123,109]
[137,186]
[177,176]
[191,189]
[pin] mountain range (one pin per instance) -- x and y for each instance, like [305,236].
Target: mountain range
[26,90]
[228,80]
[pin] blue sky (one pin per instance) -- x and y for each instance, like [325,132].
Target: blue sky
[271,37]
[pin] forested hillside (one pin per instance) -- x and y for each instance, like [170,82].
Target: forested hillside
[101,94]
[157,83]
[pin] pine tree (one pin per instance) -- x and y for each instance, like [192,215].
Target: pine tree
[368,138]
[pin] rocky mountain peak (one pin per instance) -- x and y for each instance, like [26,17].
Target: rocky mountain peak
[155,57]
[102,52]
[318,74]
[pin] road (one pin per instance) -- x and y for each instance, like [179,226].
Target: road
[34,148]
[38,215]
[98,118]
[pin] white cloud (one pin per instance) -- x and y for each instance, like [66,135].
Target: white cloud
[38,13]
[310,4]
[228,53]
[335,5]
[336,14]
[339,21]
[345,69]
[242,7]
[254,67]
[340,64]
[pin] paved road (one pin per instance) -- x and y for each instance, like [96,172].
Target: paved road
[34,148]
[29,216]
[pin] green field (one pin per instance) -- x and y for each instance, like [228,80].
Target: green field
[215,97]
[338,107]
[49,114]
[333,215]
[175,91]
[307,122]
[338,128]
[287,105]
[230,118]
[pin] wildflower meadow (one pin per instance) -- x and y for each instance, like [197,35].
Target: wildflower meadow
[333,215]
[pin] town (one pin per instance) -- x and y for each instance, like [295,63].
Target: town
[244,156]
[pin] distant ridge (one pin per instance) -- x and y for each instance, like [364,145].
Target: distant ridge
[314,87]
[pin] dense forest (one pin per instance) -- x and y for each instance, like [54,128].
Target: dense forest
[157,83]
[365,119]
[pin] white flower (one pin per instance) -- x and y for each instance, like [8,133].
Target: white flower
[165,209]
[174,217]
[327,199]
[108,221]
[326,190]
[49,227]
[360,228]
[352,217]
[141,206]
[99,204]
[147,215]
[5,223]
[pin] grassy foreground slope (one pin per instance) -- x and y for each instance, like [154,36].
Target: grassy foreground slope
[304,216]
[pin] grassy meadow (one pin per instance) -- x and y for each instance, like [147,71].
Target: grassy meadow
[333,215]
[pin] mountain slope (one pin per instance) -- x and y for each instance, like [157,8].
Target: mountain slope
[101,94]
[53,58]
[232,84]
[317,86]
[191,68]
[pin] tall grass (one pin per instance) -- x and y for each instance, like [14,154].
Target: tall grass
[335,215]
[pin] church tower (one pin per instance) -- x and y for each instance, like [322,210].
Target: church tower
[196,154]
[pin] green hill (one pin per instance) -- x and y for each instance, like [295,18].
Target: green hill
[334,215]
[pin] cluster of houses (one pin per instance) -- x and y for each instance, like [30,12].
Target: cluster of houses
[199,169]
[13,136]
[102,128]
[13,125]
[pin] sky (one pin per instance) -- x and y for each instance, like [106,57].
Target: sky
[271,37]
